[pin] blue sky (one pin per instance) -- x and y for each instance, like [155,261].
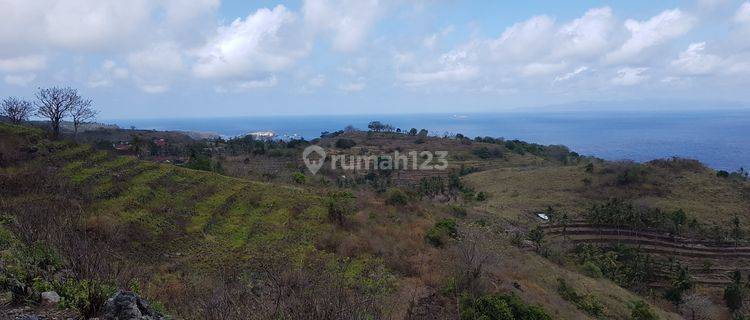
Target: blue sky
[173,58]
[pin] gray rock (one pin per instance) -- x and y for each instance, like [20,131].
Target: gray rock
[129,306]
[50,298]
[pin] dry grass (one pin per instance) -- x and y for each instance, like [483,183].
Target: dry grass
[515,192]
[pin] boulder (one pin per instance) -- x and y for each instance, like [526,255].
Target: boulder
[50,298]
[125,305]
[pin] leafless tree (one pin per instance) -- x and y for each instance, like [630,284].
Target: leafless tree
[17,110]
[54,104]
[81,113]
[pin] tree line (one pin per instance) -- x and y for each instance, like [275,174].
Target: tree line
[54,104]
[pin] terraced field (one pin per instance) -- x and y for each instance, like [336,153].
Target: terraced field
[180,226]
[709,262]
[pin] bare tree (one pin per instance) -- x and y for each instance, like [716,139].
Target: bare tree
[54,104]
[17,110]
[81,113]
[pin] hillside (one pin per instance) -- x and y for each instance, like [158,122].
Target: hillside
[203,245]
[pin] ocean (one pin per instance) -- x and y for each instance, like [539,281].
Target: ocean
[719,139]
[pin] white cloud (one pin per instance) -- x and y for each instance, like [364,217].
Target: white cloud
[630,76]
[694,61]
[107,74]
[154,88]
[663,27]
[243,86]
[95,24]
[23,63]
[317,81]
[431,40]
[450,74]
[524,40]
[453,66]
[542,69]
[256,84]
[586,36]
[160,58]
[348,21]
[572,74]
[19,79]
[742,16]
[358,85]
[263,42]
[156,67]
[180,12]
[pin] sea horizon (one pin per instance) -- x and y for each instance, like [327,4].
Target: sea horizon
[718,138]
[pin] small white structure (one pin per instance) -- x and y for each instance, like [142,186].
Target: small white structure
[262,134]
[542,216]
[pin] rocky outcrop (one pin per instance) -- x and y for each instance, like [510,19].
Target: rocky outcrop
[125,305]
[50,298]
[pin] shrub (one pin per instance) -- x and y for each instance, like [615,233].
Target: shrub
[299,177]
[340,205]
[345,143]
[500,307]
[589,167]
[536,236]
[587,303]
[88,297]
[632,175]
[592,270]
[396,197]
[487,153]
[735,292]
[458,211]
[441,232]
[481,196]
[626,266]
[639,310]
[722,174]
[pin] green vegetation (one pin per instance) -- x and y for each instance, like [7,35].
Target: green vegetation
[345,143]
[487,153]
[536,236]
[442,232]
[626,266]
[396,197]
[204,242]
[588,303]
[735,293]
[642,311]
[681,282]
[340,205]
[500,307]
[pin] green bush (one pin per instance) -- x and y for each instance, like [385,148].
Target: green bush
[396,197]
[500,307]
[588,303]
[627,266]
[639,310]
[487,153]
[458,211]
[345,143]
[340,204]
[592,270]
[441,232]
[87,296]
[299,178]
[482,196]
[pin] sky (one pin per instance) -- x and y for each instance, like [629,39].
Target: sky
[212,58]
